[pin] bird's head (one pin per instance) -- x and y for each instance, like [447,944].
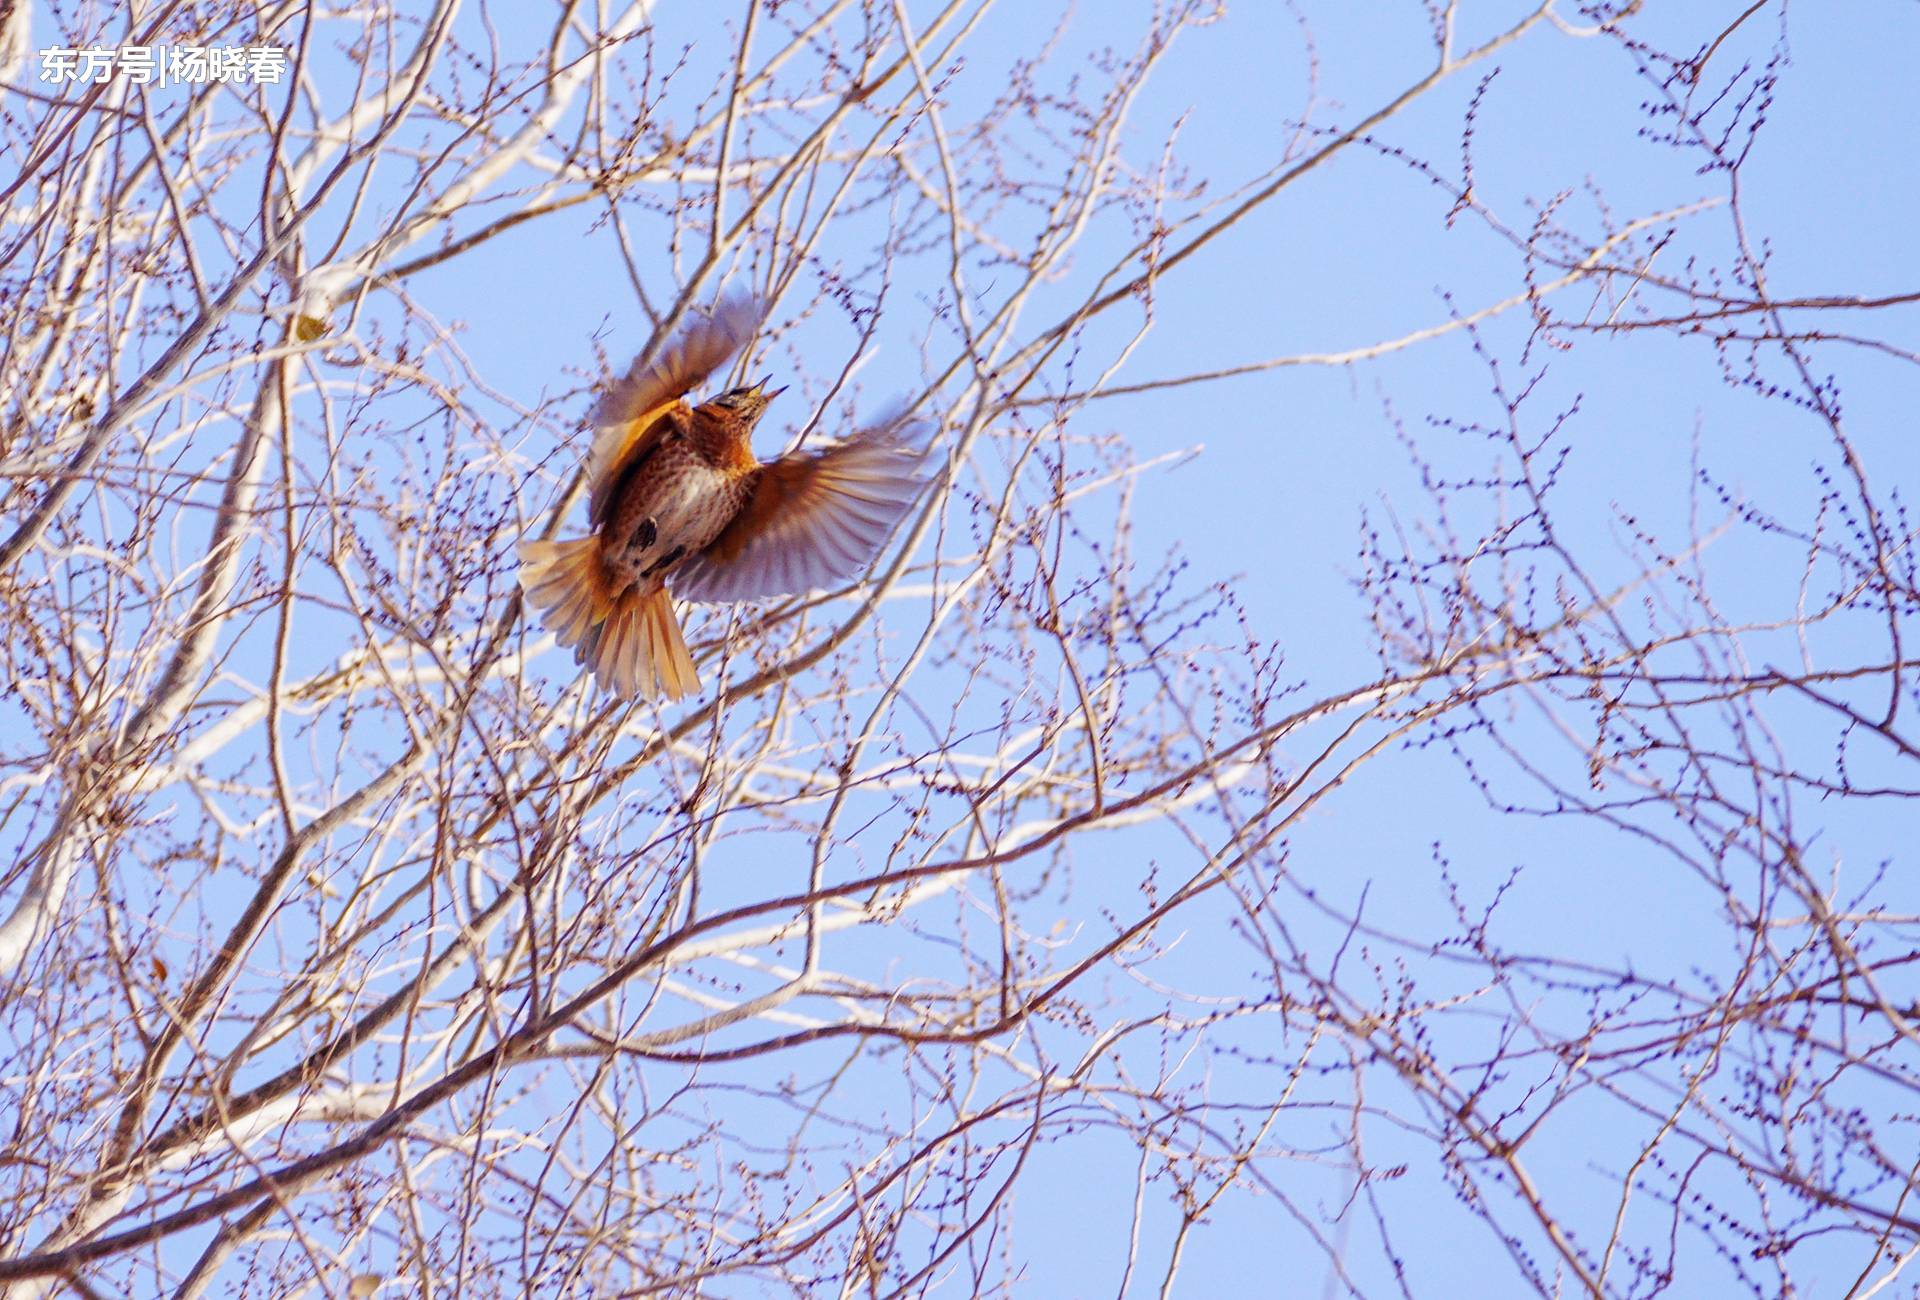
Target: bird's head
[741,406]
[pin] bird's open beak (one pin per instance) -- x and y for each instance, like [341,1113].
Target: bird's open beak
[759,389]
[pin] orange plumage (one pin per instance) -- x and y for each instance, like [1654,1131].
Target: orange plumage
[678,503]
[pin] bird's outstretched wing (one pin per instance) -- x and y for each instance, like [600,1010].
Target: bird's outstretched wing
[628,412]
[813,518]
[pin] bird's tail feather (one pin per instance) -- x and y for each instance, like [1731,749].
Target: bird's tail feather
[631,640]
[639,649]
[567,580]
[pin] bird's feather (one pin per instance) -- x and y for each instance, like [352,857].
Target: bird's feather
[628,414]
[568,580]
[812,518]
[631,641]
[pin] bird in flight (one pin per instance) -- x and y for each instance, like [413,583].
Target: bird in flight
[680,507]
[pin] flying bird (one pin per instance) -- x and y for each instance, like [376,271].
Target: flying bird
[679,507]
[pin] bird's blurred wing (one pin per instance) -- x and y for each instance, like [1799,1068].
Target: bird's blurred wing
[813,518]
[628,412]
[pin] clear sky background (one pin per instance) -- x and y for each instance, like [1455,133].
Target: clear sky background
[1292,459]
[1291,465]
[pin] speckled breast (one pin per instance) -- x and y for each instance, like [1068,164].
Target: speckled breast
[673,506]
